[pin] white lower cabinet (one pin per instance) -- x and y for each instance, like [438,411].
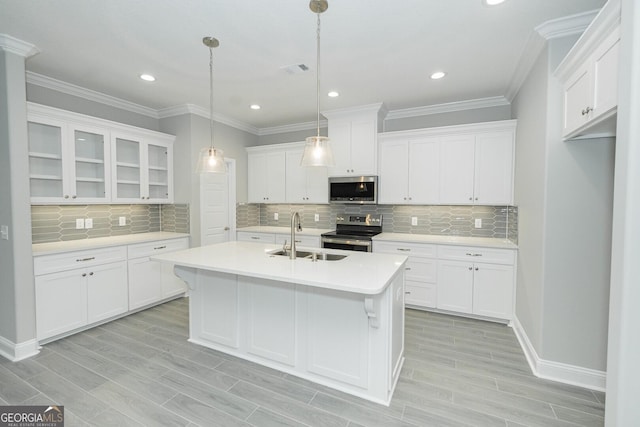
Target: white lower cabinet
[278,238]
[77,289]
[151,281]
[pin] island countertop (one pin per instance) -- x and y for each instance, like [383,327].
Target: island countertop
[360,272]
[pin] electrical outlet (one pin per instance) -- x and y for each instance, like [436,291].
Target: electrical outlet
[478,223]
[275,216]
[414,220]
[88,223]
[316,217]
[122,221]
[79,223]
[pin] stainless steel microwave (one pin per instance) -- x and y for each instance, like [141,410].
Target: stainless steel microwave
[359,190]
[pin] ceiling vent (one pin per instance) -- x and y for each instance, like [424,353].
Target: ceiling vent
[295,68]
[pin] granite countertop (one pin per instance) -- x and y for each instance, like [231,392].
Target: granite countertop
[364,273]
[284,230]
[102,242]
[486,242]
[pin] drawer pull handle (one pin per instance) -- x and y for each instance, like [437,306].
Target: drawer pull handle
[407,292]
[255,238]
[85,259]
[404,250]
[160,247]
[407,268]
[470,254]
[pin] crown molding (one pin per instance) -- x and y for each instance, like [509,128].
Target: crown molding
[291,128]
[88,94]
[496,101]
[555,28]
[196,110]
[17,46]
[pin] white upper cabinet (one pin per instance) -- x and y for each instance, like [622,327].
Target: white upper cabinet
[353,138]
[304,184]
[67,161]
[267,175]
[409,170]
[466,164]
[589,74]
[76,159]
[142,169]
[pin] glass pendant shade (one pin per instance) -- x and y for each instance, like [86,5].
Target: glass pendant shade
[317,152]
[211,160]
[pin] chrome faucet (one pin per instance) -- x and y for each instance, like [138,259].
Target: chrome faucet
[295,224]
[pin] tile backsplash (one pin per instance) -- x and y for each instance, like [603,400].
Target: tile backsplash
[57,223]
[497,221]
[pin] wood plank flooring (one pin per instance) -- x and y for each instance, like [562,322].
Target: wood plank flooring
[141,371]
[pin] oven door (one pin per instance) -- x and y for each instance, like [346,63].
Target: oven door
[346,244]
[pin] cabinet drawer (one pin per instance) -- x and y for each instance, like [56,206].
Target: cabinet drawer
[408,249]
[69,260]
[140,250]
[474,254]
[420,294]
[311,241]
[243,236]
[421,270]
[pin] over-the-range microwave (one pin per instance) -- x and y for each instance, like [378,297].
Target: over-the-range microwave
[360,190]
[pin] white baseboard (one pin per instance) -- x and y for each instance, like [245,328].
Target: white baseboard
[556,371]
[16,352]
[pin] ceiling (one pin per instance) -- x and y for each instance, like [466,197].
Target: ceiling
[372,50]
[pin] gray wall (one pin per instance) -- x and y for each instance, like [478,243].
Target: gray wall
[564,194]
[17,296]
[477,115]
[295,136]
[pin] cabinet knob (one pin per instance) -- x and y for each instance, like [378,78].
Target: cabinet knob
[84,274]
[476,268]
[74,196]
[470,198]
[66,196]
[91,274]
[470,268]
[476,198]
[587,111]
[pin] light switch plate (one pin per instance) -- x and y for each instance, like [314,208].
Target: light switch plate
[275,216]
[88,223]
[414,220]
[4,232]
[478,223]
[122,220]
[79,223]
[316,217]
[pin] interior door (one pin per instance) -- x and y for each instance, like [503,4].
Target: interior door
[217,190]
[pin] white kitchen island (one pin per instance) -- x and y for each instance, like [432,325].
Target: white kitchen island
[337,323]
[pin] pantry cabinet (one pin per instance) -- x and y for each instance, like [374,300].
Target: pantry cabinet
[77,159]
[589,75]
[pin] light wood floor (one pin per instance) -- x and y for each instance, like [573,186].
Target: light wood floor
[140,370]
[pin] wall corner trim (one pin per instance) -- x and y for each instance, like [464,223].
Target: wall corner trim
[16,352]
[556,371]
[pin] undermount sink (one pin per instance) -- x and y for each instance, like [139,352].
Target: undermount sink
[320,256]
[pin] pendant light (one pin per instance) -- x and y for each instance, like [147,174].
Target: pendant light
[211,159]
[317,151]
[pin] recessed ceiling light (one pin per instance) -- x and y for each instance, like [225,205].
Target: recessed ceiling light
[438,75]
[333,94]
[492,2]
[147,77]
[254,107]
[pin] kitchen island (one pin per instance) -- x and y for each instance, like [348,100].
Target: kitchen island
[339,323]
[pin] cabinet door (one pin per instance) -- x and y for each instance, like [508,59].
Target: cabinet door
[577,97]
[61,302]
[493,290]
[247,236]
[424,171]
[90,173]
[493,184]
[456,169]
[296,178]
[393,182]
[276,177]
[107,291]
[363,147]
[145,282]
[47,161]
[127,169]
[420,294]
[157,175]
[605,76]
[455,286]
[317,185]
[340,141]
[257,173]
[171,284]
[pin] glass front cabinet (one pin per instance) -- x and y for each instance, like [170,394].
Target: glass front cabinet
[76,159]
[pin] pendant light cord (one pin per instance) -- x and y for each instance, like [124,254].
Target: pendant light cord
[318,75]
[211,94]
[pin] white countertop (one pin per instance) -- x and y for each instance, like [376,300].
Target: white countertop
[485,242]
[284,230]
[360,272]
[102,242]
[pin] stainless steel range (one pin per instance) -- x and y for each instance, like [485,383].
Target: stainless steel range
[353,232]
